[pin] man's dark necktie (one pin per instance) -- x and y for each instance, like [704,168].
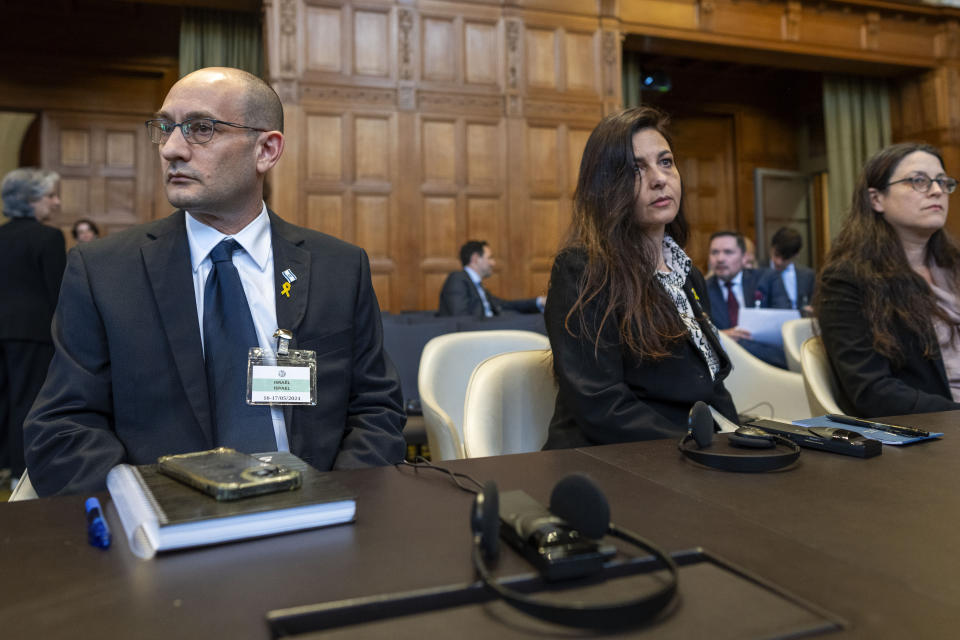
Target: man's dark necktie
[733,307]
[228,333]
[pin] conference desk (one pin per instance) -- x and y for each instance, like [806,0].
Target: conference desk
[868,540]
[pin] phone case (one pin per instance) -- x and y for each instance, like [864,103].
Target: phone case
[228,474]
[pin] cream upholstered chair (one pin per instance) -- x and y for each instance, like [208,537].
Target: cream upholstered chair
[445,368]
[818,379]
[795,333]
[24,489]
[753,382]
[509,403]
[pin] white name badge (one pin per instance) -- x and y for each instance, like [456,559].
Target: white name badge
[282,380]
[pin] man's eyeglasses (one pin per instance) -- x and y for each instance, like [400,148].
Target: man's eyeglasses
[921,182]
[195,130]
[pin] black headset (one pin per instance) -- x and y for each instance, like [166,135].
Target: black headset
[578,501]
[700,437]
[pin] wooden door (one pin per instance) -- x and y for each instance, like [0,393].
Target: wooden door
[703,146]
[107,166]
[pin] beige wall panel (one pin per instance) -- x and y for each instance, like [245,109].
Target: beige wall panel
[542,158]
[121,149]
[666,13]
[484,223]
[74,195]
[582,64]
[74,147]
[481,53]
[371,42]
[325,213]
[439,151]
[439,50]
[119,195]
[381,288]
[576,142]
[484,163]
[323,39]
[324,152]
[439,228]
[919,42]
[545,228]
[432,284]
[541,58]
[762,21]
[830,28]
[371,148]
[373,224]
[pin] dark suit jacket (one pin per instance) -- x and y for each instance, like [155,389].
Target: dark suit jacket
[871,384]
[32,259]
[764,285]
[606,395]
[459,297]
[127,383]
[806,281]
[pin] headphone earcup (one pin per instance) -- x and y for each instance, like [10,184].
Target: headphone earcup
[485,521]
[582,504]
[701,424]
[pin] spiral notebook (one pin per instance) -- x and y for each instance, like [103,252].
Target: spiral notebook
[160,514]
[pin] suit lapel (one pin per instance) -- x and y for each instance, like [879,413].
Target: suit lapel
[166,258]
[718,306]
[288,253]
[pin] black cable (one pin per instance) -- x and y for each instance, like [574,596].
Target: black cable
[423,463]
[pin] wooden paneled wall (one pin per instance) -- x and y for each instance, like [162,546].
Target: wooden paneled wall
[414,125]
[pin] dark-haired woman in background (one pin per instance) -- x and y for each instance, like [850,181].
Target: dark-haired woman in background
[633,349]
[887,297]
[85,230]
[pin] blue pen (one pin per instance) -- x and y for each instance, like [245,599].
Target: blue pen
[98,533]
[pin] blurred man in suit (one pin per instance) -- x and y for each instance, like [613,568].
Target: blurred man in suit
[798,281]
[731,288]
[463,293]
[154,324]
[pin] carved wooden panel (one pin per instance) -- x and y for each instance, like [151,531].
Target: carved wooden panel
[370,144]
[323,26]
[581,58]
[371,40]
[481,53]
[484,159]
[542,158]
[108,167]
[439,150]
[541,50]
[324,147]
[439,49]
[325,213]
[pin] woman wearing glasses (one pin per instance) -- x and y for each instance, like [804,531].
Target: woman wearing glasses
[887,299]
[632,347]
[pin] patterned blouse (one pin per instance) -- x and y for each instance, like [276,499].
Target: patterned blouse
[679,264]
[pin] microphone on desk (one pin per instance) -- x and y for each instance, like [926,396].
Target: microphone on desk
[562,543]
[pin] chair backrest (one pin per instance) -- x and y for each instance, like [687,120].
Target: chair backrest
[795,333]
[818,378]
[509,403]
[753,382]
[24,489]
[445,368]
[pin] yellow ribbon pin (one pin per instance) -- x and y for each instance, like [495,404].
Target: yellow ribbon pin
[285,289]
[695,296]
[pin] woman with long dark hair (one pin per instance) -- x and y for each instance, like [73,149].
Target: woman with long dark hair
[633,348]
[887,296]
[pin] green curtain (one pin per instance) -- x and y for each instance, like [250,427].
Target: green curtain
[856,115]
[211,38]
[631,79]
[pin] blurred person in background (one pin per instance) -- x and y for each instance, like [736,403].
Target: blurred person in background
[32,260]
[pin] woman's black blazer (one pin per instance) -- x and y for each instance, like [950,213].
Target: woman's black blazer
[605,394]
[871,384]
